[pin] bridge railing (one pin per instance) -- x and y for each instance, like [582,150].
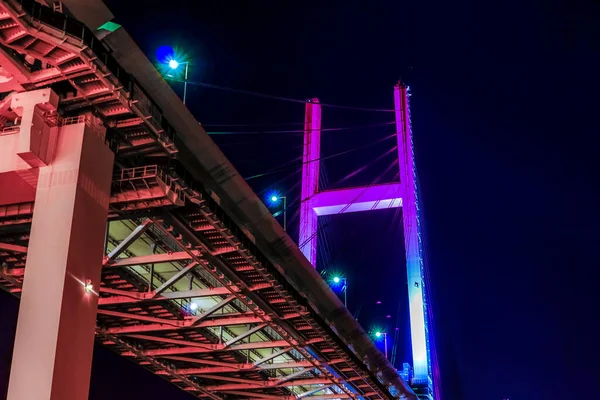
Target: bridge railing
[147,171]
[10,130]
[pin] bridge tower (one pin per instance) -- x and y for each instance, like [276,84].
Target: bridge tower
[316,203]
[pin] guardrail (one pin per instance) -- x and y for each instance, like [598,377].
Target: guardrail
[80,119]
[148,171]
[10,130]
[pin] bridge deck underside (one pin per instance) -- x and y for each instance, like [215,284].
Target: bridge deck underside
[183,297]
[184,292]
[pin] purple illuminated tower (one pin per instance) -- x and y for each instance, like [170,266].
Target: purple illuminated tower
[403,194]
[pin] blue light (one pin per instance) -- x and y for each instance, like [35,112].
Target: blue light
[336,279]
[164,54]
[377,334]
[173,64]
[274,199]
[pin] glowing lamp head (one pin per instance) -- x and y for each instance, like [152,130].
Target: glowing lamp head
[377,334]
[336,279]
[193,306]
[274,199]
[173,64]
[88,287]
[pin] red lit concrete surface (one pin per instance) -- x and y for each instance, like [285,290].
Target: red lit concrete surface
[121,220]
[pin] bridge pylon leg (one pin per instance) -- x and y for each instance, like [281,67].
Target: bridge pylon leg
[309,224]
[57,315]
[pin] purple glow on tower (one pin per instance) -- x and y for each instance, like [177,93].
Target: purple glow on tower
[390,195]
[310,180]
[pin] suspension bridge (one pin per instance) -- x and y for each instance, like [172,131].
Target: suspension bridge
[122,222]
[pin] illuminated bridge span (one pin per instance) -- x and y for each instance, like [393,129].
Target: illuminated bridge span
[121,220]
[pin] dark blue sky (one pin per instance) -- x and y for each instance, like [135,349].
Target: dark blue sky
[503,106]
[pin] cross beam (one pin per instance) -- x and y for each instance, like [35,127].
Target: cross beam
[234,367]
[375,197]
[149,259]
[175,278]
[169,325]
[253,395]
[125,243]
[217,347]
[213,310]
[268,384]
[272,356]
[244,335]
[125,297]
[311,392]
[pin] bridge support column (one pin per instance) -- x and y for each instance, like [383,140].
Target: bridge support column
[309,223]
[57,316]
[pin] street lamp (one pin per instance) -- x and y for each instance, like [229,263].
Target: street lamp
[337,280]
[274,200]
[174,64]
[379,334]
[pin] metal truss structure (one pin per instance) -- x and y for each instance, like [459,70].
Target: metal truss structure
[185,292]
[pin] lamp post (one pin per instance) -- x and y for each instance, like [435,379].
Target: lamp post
[174,64]
[337,279]
[384,334]
[275,199]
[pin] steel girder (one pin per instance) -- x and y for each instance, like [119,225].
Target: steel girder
[184,288]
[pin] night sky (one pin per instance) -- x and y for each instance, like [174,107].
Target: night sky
[504,96]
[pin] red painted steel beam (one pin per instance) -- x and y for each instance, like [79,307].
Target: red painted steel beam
[268,384]
[162,321]
[239,367]
[231,366]
[136,297]
[13,247]
[189,343]
[242,320]
[226,378]
[149,259]
[253,395]
[219,347]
